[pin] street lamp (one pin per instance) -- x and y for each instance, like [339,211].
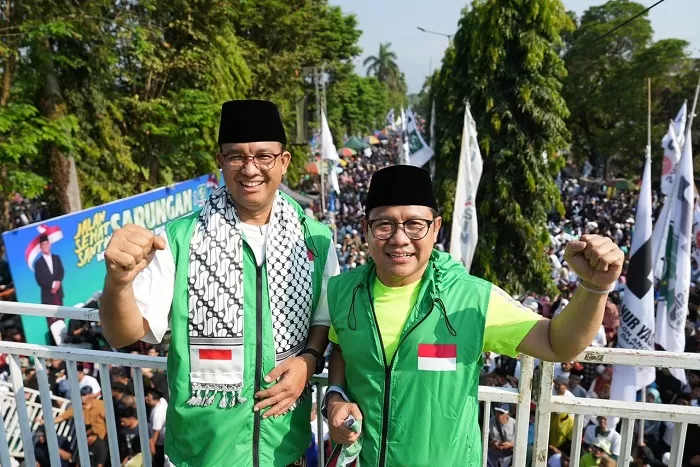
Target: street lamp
[448,36]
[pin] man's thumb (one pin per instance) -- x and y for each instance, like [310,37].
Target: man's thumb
[576,246]
[159,242]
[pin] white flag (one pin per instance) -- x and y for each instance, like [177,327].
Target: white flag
[328,150]
[333,178]
[419,151]
[464,222]
[637,313]
[404,140]
[390,120]
[675,283]
[672,143]
[696,226]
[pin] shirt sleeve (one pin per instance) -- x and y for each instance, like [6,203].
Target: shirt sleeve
[153,289]
[507,323]
[332,335]
[322,316]
[95,386]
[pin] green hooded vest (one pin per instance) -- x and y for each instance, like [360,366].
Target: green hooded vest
[237,436]
[413,416]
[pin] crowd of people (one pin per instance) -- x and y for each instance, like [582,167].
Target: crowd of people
[589,209]
[592,208]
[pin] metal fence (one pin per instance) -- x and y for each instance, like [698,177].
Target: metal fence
[22,422]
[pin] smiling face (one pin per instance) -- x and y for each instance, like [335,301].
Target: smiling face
[45,247]
[401,260]
[253,187]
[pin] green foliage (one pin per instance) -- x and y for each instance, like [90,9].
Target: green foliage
[504,62]
[607,87]
[133,91]
[356,105]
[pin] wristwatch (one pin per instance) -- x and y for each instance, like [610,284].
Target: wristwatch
[320,359]
[330,390]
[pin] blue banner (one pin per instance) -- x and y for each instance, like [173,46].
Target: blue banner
[60,261]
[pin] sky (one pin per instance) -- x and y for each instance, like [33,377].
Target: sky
[397,21]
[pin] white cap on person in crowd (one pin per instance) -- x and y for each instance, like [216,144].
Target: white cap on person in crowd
[531,303]
[603,444]
[666,458]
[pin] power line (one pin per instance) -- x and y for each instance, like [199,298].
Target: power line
[628,21]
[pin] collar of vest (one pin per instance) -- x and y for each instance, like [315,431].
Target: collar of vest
[429,296]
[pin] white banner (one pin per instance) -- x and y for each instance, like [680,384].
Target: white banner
[672,143]
[419,151]
[328,150]
[675,283]
[637,312]
[465,232]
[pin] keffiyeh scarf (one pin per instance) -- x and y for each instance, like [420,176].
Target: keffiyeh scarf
[216,301]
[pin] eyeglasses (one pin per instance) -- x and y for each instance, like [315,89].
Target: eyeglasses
[236,162]
[415,229]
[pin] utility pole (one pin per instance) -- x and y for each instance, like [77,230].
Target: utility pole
[319,89]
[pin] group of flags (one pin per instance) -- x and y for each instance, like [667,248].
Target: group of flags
[415,151]
[661,255]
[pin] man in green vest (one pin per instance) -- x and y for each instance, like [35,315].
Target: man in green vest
[409,329]
[242,284]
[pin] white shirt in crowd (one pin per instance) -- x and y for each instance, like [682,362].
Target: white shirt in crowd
[589,435]
[92,382]
[600,340]
[154,286]
[158,420]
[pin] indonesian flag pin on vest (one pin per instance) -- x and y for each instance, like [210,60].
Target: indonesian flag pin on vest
[437,357]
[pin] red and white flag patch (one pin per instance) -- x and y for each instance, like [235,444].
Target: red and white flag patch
[216,364]
[437,357]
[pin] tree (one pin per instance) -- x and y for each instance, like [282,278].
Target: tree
[504,63]
[606,87]
[132,91]
[383,66]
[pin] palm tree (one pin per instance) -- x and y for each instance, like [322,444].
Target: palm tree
[384,66]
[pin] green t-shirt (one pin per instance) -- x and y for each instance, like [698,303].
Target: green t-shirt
[507,321]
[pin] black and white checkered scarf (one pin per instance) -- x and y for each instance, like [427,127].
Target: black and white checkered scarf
[215,294]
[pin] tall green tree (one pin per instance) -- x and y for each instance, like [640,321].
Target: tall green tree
[383,65]
[606,89]
[504,63]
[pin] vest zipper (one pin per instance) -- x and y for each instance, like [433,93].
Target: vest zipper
[258,362]
[388,367]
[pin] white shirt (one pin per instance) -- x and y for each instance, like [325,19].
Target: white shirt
[600,340]
[49,262]
[92,382]
[613,436]
[158,420]
[154,286]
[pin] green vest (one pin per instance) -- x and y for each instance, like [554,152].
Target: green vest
[412,416]
[211,436]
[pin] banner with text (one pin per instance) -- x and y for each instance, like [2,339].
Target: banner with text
[60,261]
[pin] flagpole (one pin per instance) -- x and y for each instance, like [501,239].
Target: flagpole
[695,103]
[640,434]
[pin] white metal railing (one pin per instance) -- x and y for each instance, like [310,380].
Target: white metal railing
[8,412]
[627,411]
[521,397]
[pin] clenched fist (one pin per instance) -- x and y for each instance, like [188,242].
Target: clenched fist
[130,250]
[595,259]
